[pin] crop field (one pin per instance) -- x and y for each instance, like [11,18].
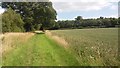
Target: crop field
[77,47]
[92,47]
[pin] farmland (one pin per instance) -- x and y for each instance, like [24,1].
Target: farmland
[92,46]
[84,47]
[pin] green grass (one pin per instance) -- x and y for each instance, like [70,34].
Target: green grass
[93,47]
[39,50]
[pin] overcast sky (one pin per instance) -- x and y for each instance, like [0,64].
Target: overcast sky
[69,9]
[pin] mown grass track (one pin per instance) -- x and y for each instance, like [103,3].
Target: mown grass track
[39,50]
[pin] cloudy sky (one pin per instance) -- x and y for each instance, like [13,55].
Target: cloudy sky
[85,8]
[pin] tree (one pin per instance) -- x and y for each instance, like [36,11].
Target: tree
[78,18]
[11,21]
[78,21]
[34,14]
[114,22]
[119,20]
[101,17]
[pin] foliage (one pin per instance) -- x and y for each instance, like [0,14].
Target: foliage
[34,14]
[11,21]
[79,22]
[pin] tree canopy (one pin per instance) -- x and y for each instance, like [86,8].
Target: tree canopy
[35,15]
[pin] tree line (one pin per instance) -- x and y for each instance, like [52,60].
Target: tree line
[79,23]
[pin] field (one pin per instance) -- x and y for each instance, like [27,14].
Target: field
[94,47]
[84,47]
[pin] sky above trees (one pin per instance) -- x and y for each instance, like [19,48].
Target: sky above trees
[85,8]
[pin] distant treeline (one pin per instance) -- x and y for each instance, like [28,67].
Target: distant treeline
[80,23]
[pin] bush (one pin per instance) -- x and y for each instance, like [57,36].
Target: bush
[11,21]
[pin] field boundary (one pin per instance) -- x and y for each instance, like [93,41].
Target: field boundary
[59,40]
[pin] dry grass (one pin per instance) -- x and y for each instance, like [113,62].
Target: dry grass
[1,36]
[59,40]
[9,39]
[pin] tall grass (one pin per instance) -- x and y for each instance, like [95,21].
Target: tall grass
[92,46]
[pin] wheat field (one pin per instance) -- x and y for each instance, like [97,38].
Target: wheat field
[94,47]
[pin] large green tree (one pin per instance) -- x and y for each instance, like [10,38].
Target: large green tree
[36,15]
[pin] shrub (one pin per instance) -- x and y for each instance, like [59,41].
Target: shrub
[11,21]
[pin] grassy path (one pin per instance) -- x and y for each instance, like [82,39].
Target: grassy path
[38,51]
